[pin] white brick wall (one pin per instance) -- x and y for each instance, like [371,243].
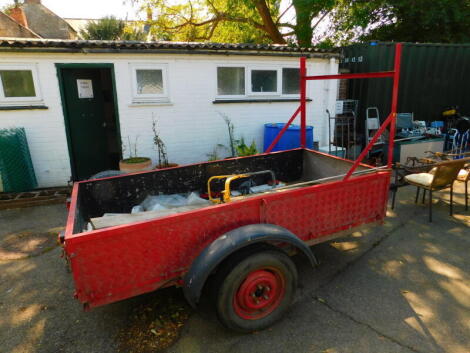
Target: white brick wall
[190,125]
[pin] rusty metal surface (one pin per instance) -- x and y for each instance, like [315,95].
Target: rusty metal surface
[120,194]
[124,261]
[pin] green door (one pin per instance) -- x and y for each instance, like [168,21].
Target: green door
[85,102]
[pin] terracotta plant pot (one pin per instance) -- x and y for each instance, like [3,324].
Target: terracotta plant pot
[137,164]
[169,165]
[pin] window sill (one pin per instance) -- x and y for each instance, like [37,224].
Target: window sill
[150,103]
[23,107]
[258,100]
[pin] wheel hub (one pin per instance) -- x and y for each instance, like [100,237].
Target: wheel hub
[259,294]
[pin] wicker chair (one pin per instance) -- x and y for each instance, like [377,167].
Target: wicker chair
[464,177]
[440,177]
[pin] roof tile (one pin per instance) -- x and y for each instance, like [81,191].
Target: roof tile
[252,49]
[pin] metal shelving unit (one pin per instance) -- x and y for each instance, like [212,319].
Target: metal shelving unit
[343,137]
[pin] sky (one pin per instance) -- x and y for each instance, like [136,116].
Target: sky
[87,8]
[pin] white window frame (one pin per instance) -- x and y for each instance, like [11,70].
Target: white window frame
[150,98]
[248,92]
[278,91]
[289,95]
[229,96]
[36,100]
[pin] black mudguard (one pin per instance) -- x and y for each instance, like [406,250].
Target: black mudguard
[229,243]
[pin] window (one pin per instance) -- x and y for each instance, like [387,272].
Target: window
[290,81]
[230,81]
[149,83]
[256,81]
[264,81]
[18,84]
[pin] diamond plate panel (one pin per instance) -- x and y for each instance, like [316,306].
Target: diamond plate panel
[121,262]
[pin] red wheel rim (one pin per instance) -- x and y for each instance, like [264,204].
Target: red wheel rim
[259,294]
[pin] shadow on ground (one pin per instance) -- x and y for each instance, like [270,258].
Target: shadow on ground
[403,287]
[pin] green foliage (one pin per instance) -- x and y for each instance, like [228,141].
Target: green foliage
[241,22]
[309,14]
[231,133]
[233,32]
[111,28]
[244,150]
[261,21]
[237,147]
[133,33]
[136,160]
[214,20]
[107,28]
[446,21]
[162,155]
[7,8]
[326,44]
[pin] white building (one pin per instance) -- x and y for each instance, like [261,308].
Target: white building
[77,99]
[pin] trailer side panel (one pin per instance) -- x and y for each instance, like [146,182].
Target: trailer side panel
[120,262]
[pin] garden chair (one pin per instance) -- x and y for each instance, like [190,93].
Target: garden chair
[440,177]
[464,177]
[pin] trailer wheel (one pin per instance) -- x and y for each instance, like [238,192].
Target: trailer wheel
[255,290]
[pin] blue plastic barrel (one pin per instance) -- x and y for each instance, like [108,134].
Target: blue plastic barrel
[290,139]
[437,124]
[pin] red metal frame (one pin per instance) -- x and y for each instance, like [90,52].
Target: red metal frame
[391,119]
[303,102]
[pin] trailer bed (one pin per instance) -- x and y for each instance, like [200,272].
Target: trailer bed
[123,261]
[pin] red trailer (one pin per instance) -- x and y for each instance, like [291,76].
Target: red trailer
[241,246]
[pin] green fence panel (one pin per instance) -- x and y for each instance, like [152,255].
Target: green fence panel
[16,167]
[433,77]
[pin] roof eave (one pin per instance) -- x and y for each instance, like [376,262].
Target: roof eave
[97,46]
[226,52]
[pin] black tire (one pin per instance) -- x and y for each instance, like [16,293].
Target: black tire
[106,174]
[262,270]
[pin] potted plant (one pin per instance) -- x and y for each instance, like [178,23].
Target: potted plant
[244,150]
[162,155]
[237,147]
[134,163]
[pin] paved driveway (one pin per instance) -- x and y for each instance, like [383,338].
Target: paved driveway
[403,287]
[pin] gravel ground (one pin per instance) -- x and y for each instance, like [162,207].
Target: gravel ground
[403,287]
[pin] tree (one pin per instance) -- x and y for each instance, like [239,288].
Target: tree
[309,14]
[8,7]
[107,28]
[133,33]
[256,20]
[201,20]
[110,28]
[262,21]
[446,21]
